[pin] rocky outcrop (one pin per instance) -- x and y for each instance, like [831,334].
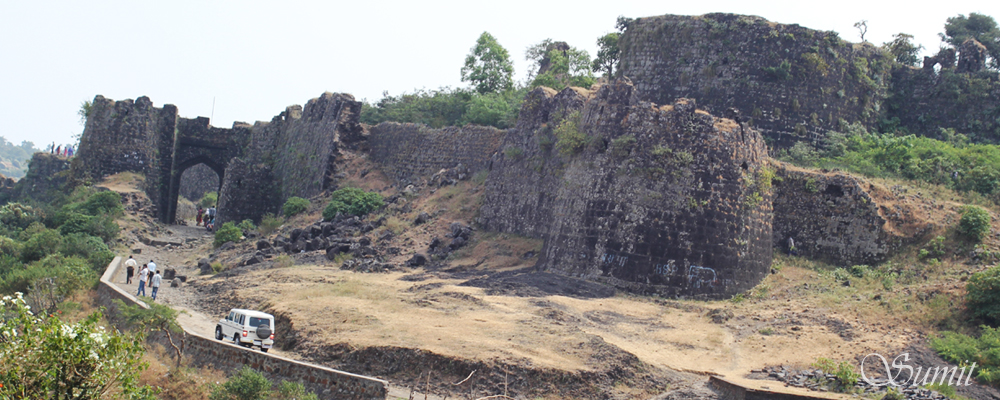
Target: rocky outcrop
[655,199]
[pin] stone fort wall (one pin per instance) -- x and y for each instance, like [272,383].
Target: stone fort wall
[407,152]
[659,199]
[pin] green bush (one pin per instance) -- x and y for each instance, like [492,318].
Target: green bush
[269,223]
[41,244]
[293,391]
[10,247]
[247,226]
[352,201]
[245,384]
[975,223]
[70,274]
[227,233]
[91,248]
[985,351]
[102,226]
[294,206]
[101,203]
[19,216]
[844,373]
[983,294]
[569,140]
[209,199]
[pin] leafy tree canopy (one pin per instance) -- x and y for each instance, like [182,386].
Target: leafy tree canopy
[488,66]
[902,48]
[607,54]
[981,27]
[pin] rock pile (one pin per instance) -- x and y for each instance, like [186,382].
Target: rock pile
[821,381]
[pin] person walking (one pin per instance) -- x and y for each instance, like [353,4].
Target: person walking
[792,251]
[143,276]
[58,149]
[155,283]
[152,268]
[129,270]
[201,212]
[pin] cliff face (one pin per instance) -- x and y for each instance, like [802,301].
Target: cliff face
[660,199]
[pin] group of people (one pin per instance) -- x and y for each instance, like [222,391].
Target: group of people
[207,217]
[147,273]
[60,150]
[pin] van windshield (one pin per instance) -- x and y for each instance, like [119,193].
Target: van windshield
[254,321]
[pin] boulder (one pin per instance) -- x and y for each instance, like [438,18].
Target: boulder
[169,273]
[176,283]
[263,244]
[423,217]
[205,266]
[417,260]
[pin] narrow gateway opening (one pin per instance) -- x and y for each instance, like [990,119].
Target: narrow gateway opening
[199,186]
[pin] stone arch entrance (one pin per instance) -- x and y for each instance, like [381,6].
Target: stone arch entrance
[175,181]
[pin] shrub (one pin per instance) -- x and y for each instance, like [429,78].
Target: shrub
[269,223]
[10,247]
[92,248]
[958,348]
[101,203]
[569,140]
[294,206]
[70,274]
[19,216]
[49,357]
[293,391]
[352,201]
[227,233]
[975,223]
[245,384]
[284,261]
[209,199]
[41,244]
[621,146]
[102,226]
[983,294]
[844,373]
[216,267]
[247,226]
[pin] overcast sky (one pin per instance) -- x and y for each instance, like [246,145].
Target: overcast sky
[255,58]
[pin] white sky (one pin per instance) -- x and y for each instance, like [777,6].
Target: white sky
[255,58]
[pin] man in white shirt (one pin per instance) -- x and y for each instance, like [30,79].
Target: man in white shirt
[152,269]
[143,275]
[155,284]
[130,269]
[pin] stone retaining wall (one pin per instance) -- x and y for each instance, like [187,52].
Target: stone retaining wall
[327,383]
[410,151]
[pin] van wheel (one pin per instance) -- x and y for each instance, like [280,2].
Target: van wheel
[236,339]
[264,350]
[218,333]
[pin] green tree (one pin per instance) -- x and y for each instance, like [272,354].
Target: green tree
[903,49]
[156,318]
[488,66]
[981,27]
[45,358]
[608,54]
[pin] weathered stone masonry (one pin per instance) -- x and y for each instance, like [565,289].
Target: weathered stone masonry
[408,151]
[661,200]
[839,218]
